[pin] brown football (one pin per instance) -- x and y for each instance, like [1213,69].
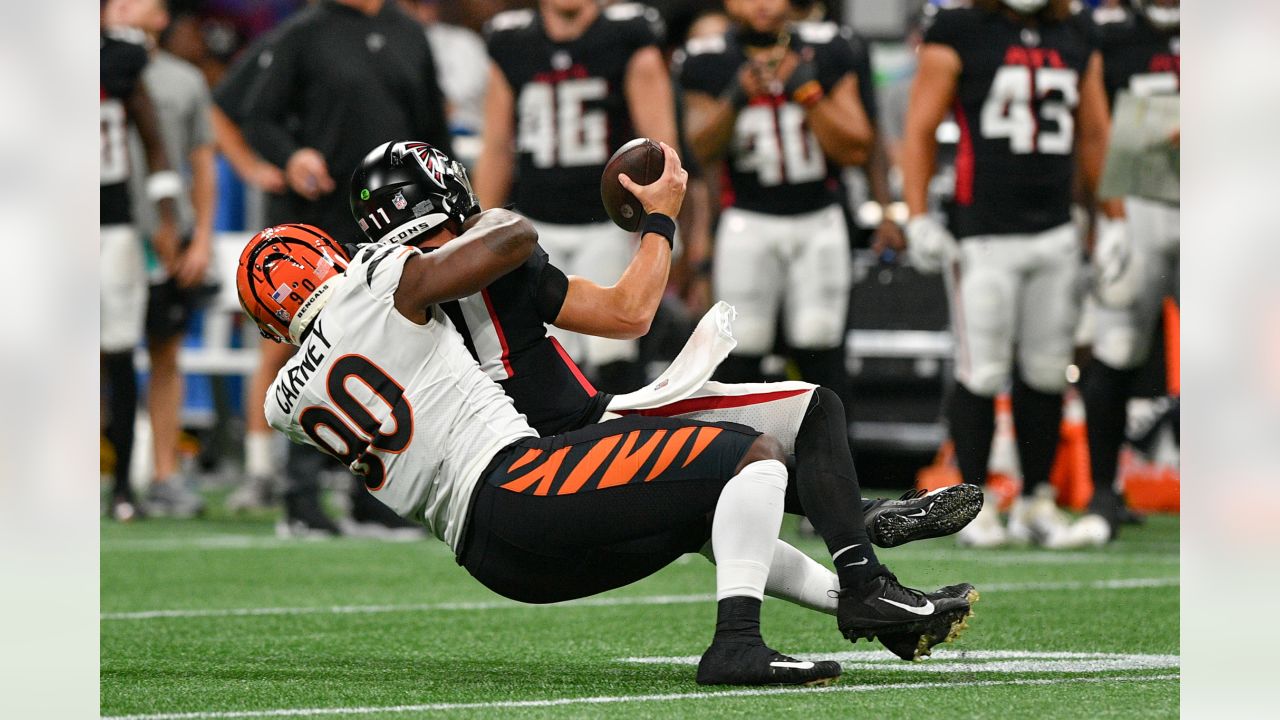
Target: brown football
[642,160]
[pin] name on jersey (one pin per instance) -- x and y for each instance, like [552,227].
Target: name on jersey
[1033,57]
[573,72]
[301,368]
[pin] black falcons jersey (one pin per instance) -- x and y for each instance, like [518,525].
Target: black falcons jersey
[1016,101]
[570,105]
[1135,56]
[504,328]
[121,65]
[775,164]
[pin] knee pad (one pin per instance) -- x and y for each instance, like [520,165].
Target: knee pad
[816,328]
[1044,374]
[754,335]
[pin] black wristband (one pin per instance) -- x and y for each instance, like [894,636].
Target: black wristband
[662,225]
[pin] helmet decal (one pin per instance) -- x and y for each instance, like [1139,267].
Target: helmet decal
[429,158]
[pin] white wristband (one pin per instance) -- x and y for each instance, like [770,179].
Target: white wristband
[163,184]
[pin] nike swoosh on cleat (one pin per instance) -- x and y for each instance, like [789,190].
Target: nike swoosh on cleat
[798,665]
[863,561]
[922,513]
[924,609]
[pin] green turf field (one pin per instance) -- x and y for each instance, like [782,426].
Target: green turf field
[218,619]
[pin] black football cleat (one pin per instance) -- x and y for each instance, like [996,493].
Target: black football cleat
[882,605]
[304,518]
[913,646]
[919,515]
[754,663]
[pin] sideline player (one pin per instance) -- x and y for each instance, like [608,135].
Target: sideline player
[779,103]
[1141,53]
[504,328]
[568,84]
[123,100]
[1025,86]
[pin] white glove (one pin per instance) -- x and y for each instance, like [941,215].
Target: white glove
[930,246]
[1117,272]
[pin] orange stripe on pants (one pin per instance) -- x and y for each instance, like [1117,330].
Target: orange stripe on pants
[669,451]
[543,475]
[625,466]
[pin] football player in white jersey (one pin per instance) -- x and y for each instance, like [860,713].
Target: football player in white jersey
[382,382]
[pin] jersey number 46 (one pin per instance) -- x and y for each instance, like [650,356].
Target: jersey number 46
[556,128]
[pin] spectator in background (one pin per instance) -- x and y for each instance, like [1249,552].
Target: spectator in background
[568,85]
[123,102]
[336,79]
[182,109]
[778,103]
[461,68]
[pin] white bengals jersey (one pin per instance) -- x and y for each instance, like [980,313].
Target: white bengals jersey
[403,405]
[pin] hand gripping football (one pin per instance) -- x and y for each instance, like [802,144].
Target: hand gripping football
[642,160]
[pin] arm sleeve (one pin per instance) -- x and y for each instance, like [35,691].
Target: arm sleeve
[951,28]
[698,73]
[270,99]
[550,286]
[235,85]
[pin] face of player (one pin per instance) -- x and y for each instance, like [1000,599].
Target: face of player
[151,16]
[566,8]
[762,16]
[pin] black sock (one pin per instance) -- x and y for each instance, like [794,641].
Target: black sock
[122,408]
[739,369]
[972,421]
[1106,397]
[828,488]
[738,620]
[1037,423]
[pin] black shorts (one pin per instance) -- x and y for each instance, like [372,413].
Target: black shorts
[170,308]
[594,509]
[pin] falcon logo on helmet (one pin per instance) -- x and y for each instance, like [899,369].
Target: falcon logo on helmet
[286,275]
[394,200]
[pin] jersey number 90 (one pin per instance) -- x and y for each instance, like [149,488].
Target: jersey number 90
[556,128]
[354,445]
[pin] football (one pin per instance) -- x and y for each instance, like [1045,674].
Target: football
[642,160]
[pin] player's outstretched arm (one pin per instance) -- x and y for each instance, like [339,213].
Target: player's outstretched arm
[931,96]
[493,243]
[163,184]
[497,157]
[624,311]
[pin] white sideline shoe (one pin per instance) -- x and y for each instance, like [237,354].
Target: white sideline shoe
[985,530]
[1089,531]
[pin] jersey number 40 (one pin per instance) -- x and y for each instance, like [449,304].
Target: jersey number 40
[556,128]
[354,445]
[1010,109]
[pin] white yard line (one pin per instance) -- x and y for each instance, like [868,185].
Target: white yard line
[974,661]
[614,699]
[1117,584]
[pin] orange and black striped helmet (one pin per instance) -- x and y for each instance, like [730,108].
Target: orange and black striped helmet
[286,275]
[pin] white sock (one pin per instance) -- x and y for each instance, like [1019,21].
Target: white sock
[745,528]
[257,453]
[797,578]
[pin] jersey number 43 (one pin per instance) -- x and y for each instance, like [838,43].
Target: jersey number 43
[1010,109]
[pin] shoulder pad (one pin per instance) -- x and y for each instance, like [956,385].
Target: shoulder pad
[707,45]
[509,20]
[631,11]
[1110,16]
[817,33]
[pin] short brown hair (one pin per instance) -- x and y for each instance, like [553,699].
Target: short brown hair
[1056,9]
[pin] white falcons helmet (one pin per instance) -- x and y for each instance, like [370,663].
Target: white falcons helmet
[1027,7]
[1163,16]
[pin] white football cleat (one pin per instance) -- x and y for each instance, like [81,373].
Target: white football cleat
[1038,519]
[985,530]
[1089,531]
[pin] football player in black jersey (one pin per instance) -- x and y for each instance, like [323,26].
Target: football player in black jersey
[1024,83]
[569,83]
[1141,55]
[779,104]
[123,101]
[504,327]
